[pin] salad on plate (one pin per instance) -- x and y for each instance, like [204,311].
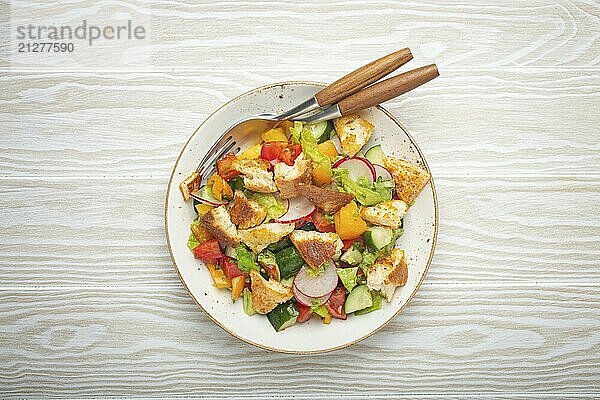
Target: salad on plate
[304,224]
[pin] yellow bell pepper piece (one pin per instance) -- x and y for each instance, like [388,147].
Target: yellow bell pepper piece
[220,188]
[274,135]
[286,125]
[348,223]
[328,148]
[203,208]
[200,233]
[237,286]
[219,278]
[321,176]
[251,153]
[327,319]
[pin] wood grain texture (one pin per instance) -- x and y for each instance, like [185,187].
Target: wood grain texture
[65,233]
[149,342]
[90,304]
[500,122]
[261,34]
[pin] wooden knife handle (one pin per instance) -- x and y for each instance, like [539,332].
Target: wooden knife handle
[362,77]
[387,89]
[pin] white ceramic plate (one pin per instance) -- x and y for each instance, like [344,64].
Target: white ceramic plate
[420,231]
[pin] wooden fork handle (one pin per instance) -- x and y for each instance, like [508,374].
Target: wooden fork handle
[387,89]
[362,77]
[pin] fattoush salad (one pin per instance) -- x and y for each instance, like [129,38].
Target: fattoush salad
[304,224]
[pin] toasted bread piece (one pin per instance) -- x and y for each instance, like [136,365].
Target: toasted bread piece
[287,178]
[327,200]
[386,274]
[389,213]
[218,223]
[316,247]
[261,236]
[266,295]
[246,213]
[410,178]
[189,185]
[354,132]
[257,176]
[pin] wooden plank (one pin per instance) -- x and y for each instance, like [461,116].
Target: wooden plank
[500,122]
[110,232]
[452,339]
[255,36]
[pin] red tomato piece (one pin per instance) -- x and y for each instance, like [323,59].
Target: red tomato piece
[208,252]
[290,153]
[335,304]
[304,313]
[322,224]
[224,168]
[271,151]
[230,268]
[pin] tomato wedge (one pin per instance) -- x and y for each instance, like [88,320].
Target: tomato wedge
[335,304]
[208,252]
[321,223]
[271,151]
[290,153]
[224,168]
[230,268]
[304,313]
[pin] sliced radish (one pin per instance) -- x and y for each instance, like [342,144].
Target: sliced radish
[319,285]
[309,301]
[204,195]
[298,208]
[357,167]
[382,172]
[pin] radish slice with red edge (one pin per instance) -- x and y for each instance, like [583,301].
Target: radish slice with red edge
[204,195]
[298,208]
[316,285]
[357,167]
[382,172]
[310,301]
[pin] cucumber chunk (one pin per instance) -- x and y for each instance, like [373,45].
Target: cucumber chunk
[378,237]
[377,304]
[321,130]
[289,262]
[358,299]
[283,316]
[375,154]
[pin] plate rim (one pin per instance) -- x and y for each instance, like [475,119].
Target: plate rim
[301,352]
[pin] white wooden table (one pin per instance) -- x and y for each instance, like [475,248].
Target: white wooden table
[90,304]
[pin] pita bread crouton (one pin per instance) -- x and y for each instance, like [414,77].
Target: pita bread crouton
[354,132]
[257,176]
[386,274]
[218,223]
[266,295]
[327,200]
[246,213]
[316,247]
[410,178]
[287,178]
[261,236]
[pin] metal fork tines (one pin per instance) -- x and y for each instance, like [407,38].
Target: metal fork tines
[223,146]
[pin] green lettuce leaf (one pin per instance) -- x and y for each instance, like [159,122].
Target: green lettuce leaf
[296,131]
[267,257]
[321,310]
[247,302]
[348,277]
[274,208]
[192,241]
[246,259]
[384,188]
[363,190]
[311,149]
